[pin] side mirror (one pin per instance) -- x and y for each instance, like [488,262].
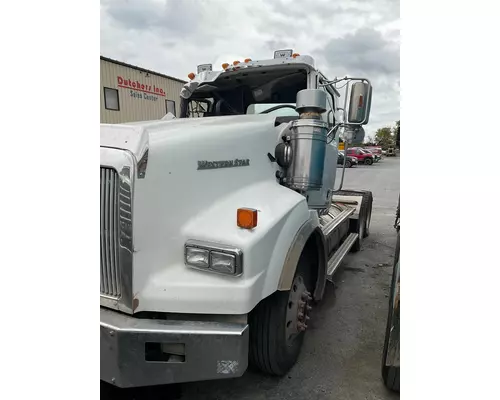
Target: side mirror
[354,135]
[360,103]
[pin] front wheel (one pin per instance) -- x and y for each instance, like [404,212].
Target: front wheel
[368,161]
[279,322]
[348,164]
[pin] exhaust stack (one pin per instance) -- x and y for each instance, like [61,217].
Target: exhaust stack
[308,142]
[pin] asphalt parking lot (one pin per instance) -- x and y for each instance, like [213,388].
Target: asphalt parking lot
[342,353]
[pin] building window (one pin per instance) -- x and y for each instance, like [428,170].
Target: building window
[111,101]
[170,104]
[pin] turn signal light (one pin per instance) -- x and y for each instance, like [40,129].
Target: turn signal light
[295,55]
[191,75]
[236,62]
[248,60]
[225,65]
[246,218]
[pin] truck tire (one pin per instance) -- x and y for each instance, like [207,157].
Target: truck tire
[362,224]
[390,374]
[272,349]
[368,161]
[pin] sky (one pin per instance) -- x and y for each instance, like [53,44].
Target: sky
[345,37]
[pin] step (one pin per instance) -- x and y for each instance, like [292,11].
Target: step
[339,255]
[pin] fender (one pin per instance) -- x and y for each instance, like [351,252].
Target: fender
[162,281]
[308,232]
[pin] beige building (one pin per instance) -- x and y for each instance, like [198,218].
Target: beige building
[130,93]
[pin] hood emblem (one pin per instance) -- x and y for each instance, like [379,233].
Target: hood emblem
[223,164]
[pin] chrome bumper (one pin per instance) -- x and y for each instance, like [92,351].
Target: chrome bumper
[191,350]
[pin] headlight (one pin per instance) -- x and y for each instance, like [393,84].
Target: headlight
[222,262]
[197,257]
[213,257]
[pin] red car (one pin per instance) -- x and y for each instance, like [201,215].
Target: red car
[363,156]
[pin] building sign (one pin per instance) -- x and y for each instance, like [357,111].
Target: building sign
[139,90]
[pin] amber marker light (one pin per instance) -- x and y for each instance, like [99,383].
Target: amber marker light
[246,218]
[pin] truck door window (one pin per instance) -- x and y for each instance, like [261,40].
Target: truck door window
[199,108]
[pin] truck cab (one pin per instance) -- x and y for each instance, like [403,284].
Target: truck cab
[254,87]
[221,228]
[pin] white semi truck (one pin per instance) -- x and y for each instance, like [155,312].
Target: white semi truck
[220,229]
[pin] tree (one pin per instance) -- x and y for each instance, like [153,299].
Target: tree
[384,137]
[370,141]
[396,133]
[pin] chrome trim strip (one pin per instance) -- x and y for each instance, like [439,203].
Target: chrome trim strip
[339,255]
[293,255]
[124,163]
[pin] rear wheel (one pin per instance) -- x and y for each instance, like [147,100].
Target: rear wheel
[368,161]
[279,322]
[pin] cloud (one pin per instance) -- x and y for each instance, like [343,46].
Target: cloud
[366,52]
[345,37]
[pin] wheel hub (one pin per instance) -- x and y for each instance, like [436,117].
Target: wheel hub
[298,309]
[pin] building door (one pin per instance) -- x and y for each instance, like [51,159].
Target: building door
[170,106]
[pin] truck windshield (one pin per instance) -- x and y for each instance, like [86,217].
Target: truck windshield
[246,92]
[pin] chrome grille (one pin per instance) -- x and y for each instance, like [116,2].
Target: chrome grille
[110,233]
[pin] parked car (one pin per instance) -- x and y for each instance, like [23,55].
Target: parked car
[375,150]
[376,157]
[391,152]
[349,162]
[363,157]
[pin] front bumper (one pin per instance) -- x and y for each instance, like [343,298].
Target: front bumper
[199,350]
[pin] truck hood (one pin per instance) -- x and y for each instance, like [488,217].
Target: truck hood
[134,136]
